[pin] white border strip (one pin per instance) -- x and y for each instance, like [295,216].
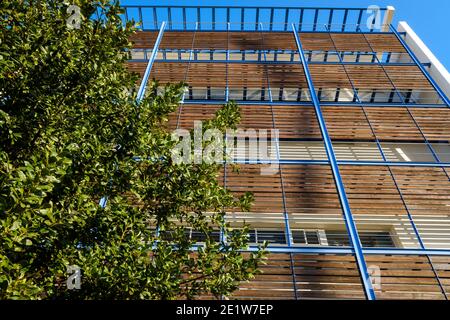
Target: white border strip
[437,71]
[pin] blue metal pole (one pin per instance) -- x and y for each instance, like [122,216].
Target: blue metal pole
[421,67]
[343,250]
[144,81]
[359,163]
[227,90]
[351,226]
[257,103]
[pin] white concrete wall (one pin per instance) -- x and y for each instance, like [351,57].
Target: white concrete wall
[437,71]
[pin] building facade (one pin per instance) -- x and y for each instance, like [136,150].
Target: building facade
[358,206]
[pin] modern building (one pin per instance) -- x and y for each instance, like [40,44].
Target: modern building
[359,207]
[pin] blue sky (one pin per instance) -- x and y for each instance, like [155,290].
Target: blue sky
[428,18]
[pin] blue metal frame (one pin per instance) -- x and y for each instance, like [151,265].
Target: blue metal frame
[350,224]
[346,250]
[356,163]
[421,67]
[356,248]
[257,103]
[275,62]
[366,251]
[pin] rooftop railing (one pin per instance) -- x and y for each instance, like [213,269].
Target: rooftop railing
[250,18]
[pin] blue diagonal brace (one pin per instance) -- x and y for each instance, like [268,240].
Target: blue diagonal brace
[152,59]
[348,217]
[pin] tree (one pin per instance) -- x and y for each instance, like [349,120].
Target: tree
[72,133]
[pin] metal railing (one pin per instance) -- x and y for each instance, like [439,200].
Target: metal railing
[250,18]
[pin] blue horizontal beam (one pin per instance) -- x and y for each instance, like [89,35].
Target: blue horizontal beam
[258,31]
[345,250]
[257,103]
[352,163]
[246,7]
[408,252]
[396,164]
[319,250]
[273,62]
[326,162]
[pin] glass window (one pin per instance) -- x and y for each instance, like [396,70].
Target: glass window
[443,151]
[310,237]
[340,238]
[407,152]
[302,150]
[199,236]
[271,236]
[358,151]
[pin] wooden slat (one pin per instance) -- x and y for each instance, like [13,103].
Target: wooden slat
[408,77]
[405,277]
[316,277]
[347,123]
[266,189]
[425,190]
[435,123]
[384,43]
[144,39]
[369,77]
[442,266]
[267,41]
[393,124]
[327,277]
[293,122]
[310,189]
[329,76]
[371,190]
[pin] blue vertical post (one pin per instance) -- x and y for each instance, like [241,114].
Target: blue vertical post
[140,18]
[348,217]
[344,21]
[169,17]
[421,67]
[227,90]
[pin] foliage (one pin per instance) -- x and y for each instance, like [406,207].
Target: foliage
[72,132]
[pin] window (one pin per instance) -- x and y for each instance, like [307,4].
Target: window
[271,236]
[199,236]
[443,151]
[338,238]
[189,233]
[407,152]
[306,237]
